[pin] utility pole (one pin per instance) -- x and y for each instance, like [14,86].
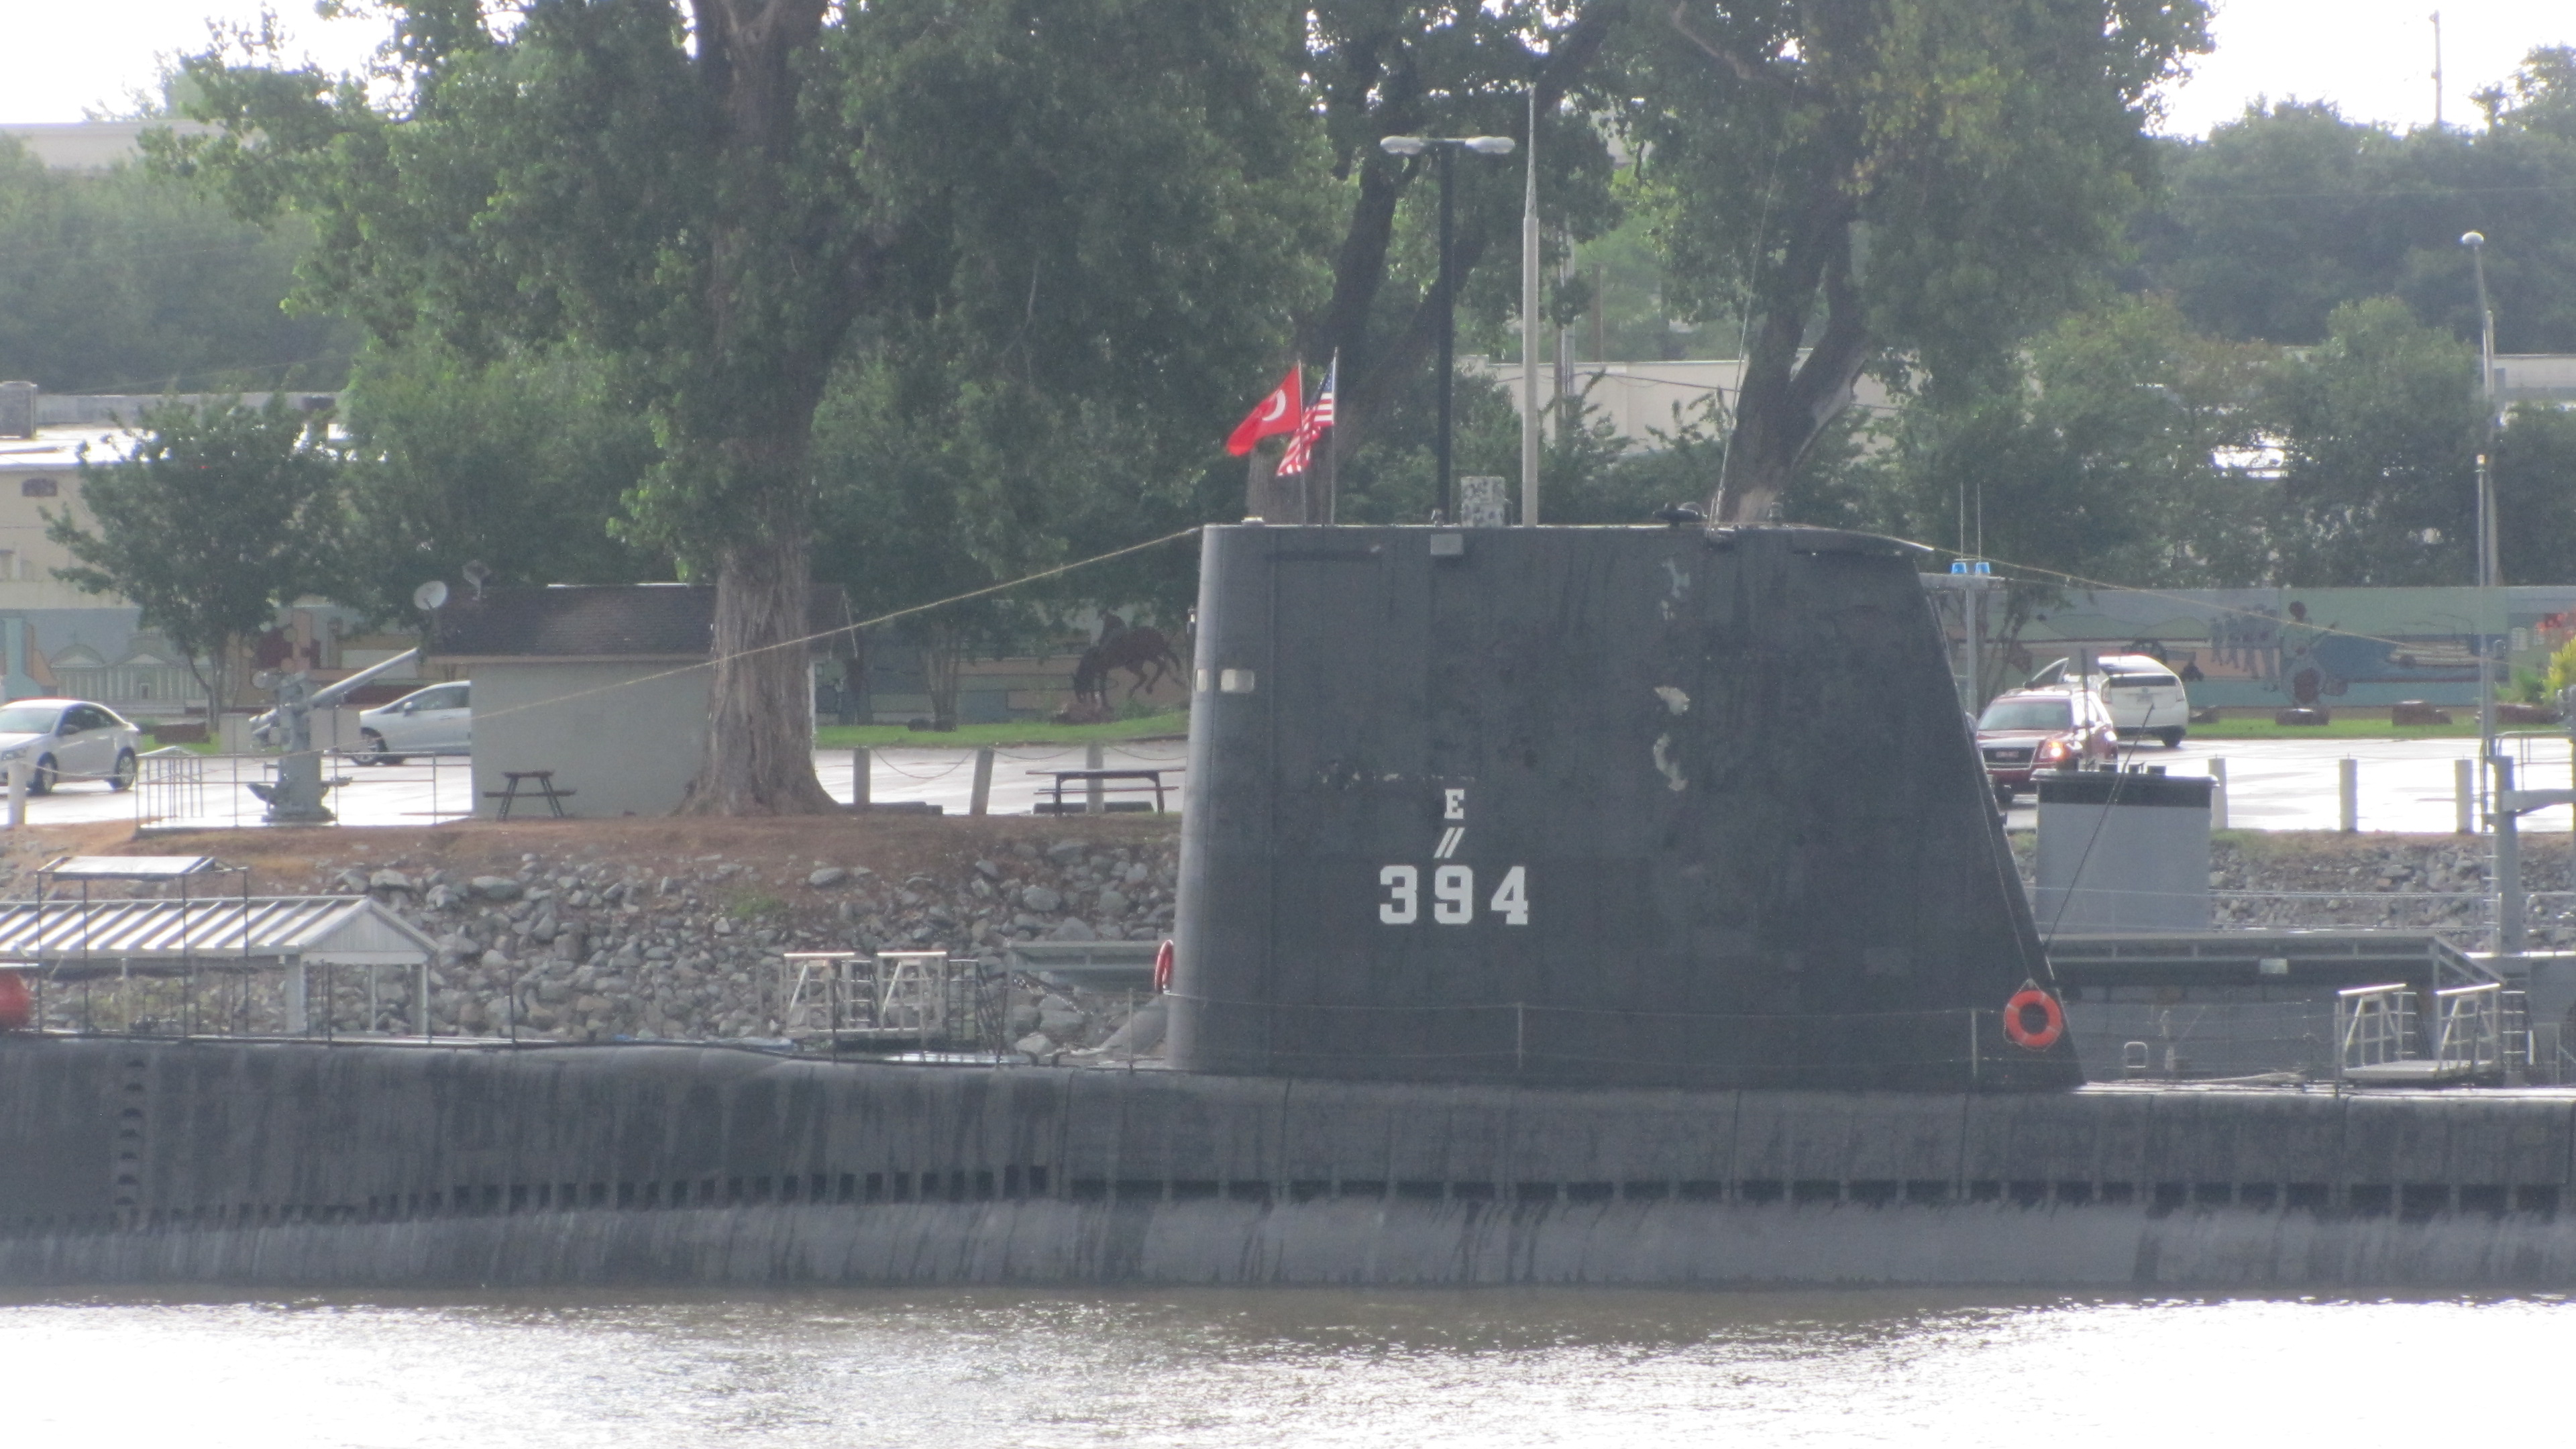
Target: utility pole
[1530,324]
[2437,70]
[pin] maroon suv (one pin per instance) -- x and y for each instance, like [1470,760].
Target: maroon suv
[2029,730]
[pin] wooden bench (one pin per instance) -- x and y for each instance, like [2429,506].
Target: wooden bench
[544,790]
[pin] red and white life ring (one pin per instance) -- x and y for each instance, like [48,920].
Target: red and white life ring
[1163,967]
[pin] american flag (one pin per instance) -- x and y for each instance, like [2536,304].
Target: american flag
[1310,428]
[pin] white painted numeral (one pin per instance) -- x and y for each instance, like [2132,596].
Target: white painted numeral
[1453,895]
[1405,882]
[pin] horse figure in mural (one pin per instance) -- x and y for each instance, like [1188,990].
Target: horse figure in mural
[1143,651]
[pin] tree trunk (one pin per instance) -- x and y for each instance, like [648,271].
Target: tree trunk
[759,756]
[1787,400]
[942,650]
[767,370]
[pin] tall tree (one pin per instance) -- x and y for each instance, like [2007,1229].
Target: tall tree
[725,200]
[218,519]
[675,187]
[1876,179]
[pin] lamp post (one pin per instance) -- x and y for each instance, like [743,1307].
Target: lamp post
[1530,326]
[2503,808]
[2487,570]
[1445,299]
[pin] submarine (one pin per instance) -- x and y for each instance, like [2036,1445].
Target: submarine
[1559,905]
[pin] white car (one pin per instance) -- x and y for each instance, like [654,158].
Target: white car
[438,720]
[2144,697]
[68,739]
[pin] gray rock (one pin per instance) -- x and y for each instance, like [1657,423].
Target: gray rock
[1023,1018]
[1042,898]
[988,870]
[389,880]
[1066,852]
[496,887]
[496,959]
[1034,1046]
[1063,1025]
[1113,902]
[1074,928]
[440,897]
[827,877]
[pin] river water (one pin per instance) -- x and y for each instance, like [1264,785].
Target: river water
[1281,1368]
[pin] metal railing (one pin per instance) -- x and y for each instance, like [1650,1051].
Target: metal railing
[179,789]
[927,1000]
[2469,1029]
[2374,1025]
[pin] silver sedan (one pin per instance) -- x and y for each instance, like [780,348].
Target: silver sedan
[68,739]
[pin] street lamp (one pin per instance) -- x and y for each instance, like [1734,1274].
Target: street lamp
[1445,299]
[2503,807]
[2487,570]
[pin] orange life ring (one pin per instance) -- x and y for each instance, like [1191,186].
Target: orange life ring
[2017,1027]
[1163,967]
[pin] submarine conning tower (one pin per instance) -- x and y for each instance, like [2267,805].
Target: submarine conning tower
[1589,806]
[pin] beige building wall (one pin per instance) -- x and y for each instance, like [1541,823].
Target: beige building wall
[624,734]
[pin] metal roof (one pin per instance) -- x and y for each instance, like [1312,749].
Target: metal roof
[209,933]
[598,621]
[130,867]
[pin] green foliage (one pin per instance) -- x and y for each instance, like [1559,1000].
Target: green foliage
[124,282]
[521,463]
[1105,219]
[2289,212]
[2560,676]
[2535,486]
[220,518]
[1988,150]
[2381,426]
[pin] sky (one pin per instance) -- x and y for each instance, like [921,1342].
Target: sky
[2373,58]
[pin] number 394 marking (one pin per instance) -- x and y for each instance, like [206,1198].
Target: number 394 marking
[1453,895]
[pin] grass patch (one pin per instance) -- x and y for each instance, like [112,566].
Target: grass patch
[1018,732]
[753,905]
[2357,726]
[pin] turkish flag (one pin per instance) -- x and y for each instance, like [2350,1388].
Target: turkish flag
[1274,414]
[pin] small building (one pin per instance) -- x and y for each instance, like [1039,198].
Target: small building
[604,685]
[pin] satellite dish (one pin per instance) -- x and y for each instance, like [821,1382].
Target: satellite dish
[429,596]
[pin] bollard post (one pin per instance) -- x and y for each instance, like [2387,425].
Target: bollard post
[2508,864]
[17,793]
[982,802]
[2348,791]
[1091,795]
[860,766]
[2464,797]
[2218,794]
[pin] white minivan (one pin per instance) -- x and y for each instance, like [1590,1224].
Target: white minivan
[2144,697]
[438,720]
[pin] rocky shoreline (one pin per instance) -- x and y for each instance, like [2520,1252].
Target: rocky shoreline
[568,936]
[577,945]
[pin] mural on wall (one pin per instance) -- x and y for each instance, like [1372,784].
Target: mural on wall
[2274,648]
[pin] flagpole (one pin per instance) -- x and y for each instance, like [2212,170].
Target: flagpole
[1530,324]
